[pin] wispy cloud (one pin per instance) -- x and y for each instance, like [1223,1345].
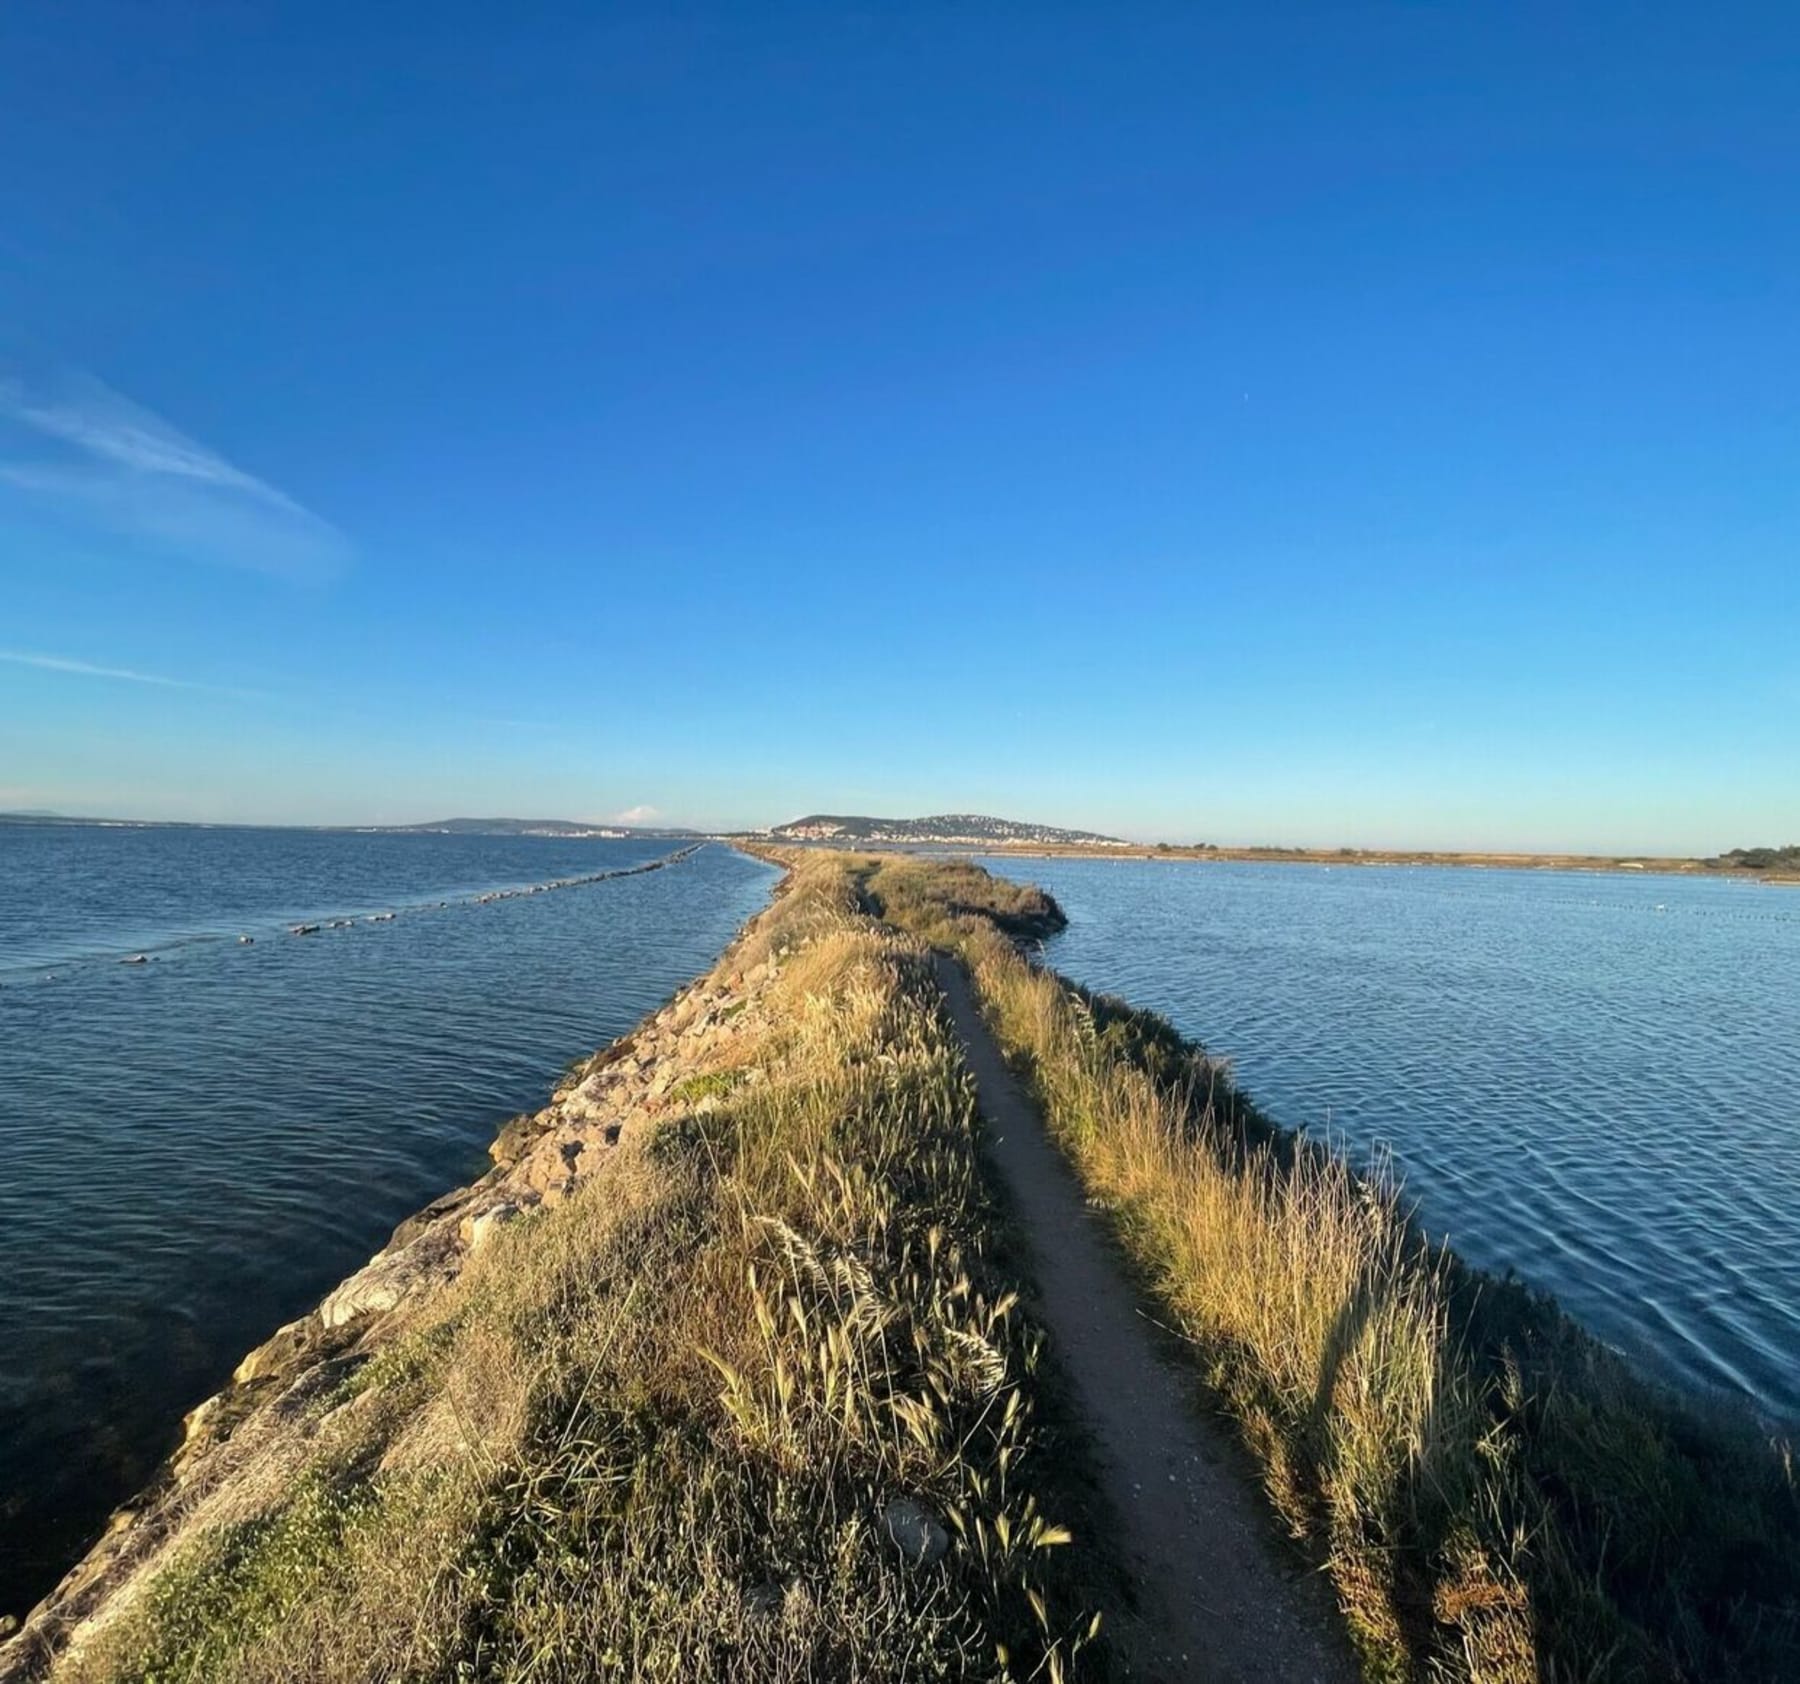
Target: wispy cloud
[91,669]
[96,451]
[636,815]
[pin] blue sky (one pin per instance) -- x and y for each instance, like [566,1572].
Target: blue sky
[1336,424]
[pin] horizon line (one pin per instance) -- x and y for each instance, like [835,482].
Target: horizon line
[724,832]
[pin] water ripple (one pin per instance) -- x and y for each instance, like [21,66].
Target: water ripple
[197,1147]
[1593,1080]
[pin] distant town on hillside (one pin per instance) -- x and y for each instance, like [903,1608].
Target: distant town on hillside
[953,829]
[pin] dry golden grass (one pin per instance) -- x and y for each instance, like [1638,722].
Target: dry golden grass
[652,1434]
[1496,1497]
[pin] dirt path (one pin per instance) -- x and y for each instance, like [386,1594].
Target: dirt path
[1218,1599]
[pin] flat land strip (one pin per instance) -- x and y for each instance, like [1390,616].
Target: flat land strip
[1628,864]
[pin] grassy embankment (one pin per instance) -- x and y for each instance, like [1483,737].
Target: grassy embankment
[1495,1495]
[656,1432]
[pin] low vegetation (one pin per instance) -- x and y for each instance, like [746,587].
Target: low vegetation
[1495,1495]
[759,1400]
[1780,860]
[757,1403]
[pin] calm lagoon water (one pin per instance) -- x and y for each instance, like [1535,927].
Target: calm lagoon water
[1591,1079]
[192,1150]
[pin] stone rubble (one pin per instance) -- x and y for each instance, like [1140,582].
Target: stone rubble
[675,1063]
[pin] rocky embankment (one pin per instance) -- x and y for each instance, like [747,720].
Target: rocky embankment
[255,1432]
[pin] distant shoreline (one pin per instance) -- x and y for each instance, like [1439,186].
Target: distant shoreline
[1630,865]
[556,830]
[1626,865]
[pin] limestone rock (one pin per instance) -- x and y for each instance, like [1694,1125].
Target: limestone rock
[560,1161]
[432,1216]
[514,1140]
[280,1352]
[196,1420]
[432,1260]
[479,1229]
[364,1294]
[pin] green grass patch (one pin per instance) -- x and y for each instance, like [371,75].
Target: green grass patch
[713,1084]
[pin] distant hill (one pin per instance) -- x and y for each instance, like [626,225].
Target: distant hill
[1760,859]
[533,827]
[38,816]
[953,829]
[441,827]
